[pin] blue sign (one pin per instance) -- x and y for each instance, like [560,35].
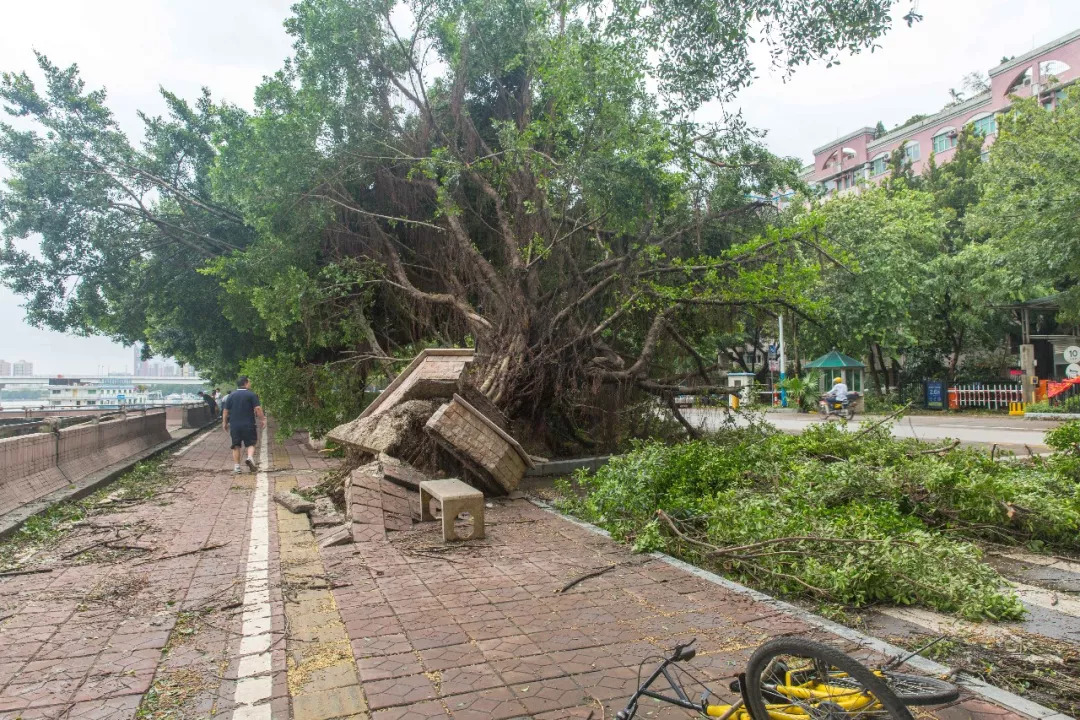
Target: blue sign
[120,397]
[935,394]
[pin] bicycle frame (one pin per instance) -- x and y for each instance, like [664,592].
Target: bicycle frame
[847,698]
[680,699]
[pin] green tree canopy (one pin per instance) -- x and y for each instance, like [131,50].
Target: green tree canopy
[444,171]
[1027,209]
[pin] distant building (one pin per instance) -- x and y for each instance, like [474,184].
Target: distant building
[5,368]
[22,369]
[863,154]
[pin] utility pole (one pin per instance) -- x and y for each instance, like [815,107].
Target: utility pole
[783,392]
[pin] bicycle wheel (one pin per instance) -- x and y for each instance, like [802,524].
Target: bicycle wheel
[920,690]
[909,689]
[795,677]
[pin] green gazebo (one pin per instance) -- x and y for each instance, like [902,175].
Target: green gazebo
[837,364]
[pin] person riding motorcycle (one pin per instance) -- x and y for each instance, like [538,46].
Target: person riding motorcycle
[839,391]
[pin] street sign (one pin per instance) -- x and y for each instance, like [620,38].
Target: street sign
[1072,371]
[1072,354]
[774,366]
[774,351]
[935,395]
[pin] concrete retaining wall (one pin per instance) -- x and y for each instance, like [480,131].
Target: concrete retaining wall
[196,416]
[33,466]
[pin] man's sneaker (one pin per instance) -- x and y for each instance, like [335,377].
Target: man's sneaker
[251,464]
[236,470]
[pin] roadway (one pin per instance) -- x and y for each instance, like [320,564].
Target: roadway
[1008,433]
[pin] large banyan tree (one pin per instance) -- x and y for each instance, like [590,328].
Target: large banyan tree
[525,176]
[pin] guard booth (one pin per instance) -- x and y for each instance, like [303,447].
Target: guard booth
[744,383]
[836,364]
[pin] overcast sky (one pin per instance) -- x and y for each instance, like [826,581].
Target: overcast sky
[131,47]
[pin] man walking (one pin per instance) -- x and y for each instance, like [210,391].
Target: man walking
[240,410]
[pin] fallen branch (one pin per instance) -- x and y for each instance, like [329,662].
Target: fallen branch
[940,450]
[204,548]
[117,546]
[81,550]
[732,550]
[433,556]
[884,420]
[35,571]
[586,576]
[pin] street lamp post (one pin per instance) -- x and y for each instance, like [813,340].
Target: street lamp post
[783,392]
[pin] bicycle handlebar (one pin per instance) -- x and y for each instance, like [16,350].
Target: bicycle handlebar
[683,651]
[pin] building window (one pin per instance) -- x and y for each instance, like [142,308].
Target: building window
[945,140]
[985,125]
[879,165]
[911,151]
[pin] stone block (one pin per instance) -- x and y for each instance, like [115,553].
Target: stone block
[341,536]
[322,521]
[402,473]
[293,502]
[480,444]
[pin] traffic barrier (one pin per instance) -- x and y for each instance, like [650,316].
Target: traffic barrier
[992,396]
[1016,408]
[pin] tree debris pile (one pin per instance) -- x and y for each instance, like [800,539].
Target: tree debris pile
[837,516]
[422,426]
[424,419]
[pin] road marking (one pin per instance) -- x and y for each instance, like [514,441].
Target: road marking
[938,623]
[1044,560]
[254,683]
[1060,602]
[190,445]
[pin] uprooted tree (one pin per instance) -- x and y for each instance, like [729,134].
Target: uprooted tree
[523,176]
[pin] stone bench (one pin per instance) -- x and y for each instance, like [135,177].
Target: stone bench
[455,497]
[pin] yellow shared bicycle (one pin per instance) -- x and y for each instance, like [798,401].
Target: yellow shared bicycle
[794,679]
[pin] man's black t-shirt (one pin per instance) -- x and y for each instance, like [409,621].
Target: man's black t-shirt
[241,405]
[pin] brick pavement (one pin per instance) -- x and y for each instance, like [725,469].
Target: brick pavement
[89,641]
[386,629]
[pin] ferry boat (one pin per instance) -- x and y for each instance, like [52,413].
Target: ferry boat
[103,396]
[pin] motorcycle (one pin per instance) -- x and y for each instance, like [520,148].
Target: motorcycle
[829,407]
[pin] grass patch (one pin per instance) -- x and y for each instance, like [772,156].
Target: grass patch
[837,517]
[48,529]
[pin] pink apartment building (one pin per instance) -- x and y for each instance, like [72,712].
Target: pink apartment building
[859,155]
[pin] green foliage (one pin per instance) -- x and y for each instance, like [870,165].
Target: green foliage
[1065,437]
[309,397]
[909,518]
[918,277]
[802,392]
[1029,190]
